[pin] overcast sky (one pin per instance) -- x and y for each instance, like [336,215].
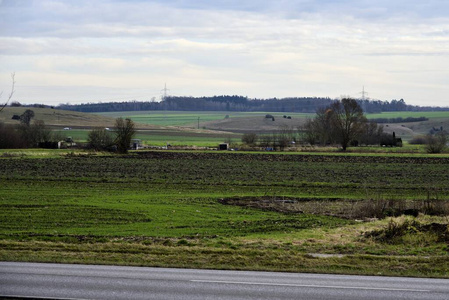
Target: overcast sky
[109,50]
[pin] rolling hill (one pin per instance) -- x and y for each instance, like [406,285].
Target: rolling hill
[56,118]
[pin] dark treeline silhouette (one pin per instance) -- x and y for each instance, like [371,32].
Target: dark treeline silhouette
[241,103]
[399,120]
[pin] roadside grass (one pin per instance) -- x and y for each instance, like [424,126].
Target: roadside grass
[221,258]
[165,209]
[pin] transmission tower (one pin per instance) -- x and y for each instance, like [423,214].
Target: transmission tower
[364,93]
[164,90]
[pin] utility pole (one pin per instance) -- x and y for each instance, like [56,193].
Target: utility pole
[198,122]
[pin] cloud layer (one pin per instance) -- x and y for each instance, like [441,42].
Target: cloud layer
[80,51]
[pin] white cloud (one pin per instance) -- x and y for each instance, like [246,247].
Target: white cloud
[398,49]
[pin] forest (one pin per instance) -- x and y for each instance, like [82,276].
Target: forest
[241,103]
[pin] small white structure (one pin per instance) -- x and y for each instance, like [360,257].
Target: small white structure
[136,144]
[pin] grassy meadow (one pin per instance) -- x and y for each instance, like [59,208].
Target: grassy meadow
[252,211]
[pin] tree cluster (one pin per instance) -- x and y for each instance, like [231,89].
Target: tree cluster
[101,139]
[27,134]
[344,123]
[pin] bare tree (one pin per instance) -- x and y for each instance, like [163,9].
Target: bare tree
[373,134]
[347,120]
[39,133]
[124,132]
[249,139]
[35,133]
[322,125]
[13,75]
[309,132]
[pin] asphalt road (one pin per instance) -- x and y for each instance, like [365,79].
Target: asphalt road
[63,281]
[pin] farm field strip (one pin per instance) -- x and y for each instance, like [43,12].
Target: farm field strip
[190,118]
[183,118]
[162,137]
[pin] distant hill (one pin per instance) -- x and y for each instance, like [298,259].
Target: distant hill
[57,118]
[260,124]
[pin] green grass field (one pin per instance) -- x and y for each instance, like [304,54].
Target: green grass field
[168,209]
[416,114]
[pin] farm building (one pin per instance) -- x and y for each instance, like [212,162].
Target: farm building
[223,146]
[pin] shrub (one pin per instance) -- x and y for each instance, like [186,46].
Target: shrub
[397,229]
[10,137]
[436,143]
[418,140]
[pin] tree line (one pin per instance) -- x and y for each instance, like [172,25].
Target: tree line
[241,103]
